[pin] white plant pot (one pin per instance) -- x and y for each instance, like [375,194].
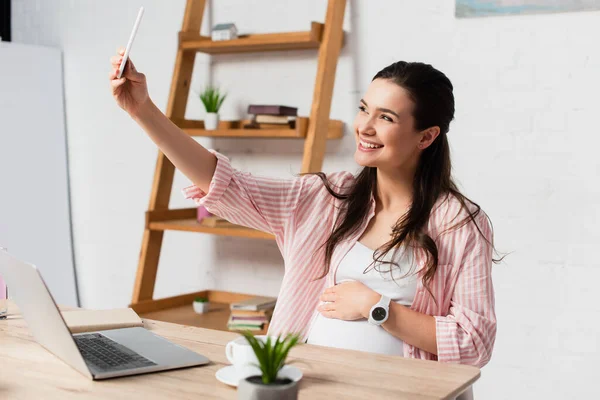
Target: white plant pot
[211,122]
[251,389]
[200,308]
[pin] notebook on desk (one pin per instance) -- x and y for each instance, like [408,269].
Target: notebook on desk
[101,320]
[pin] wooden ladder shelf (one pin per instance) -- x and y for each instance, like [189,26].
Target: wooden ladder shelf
[314,130]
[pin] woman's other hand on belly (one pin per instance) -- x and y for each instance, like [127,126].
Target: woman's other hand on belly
[348,301]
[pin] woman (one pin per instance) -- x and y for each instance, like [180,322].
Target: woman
[394,260]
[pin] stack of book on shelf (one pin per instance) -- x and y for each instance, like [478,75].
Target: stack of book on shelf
[271,117]
[253,314]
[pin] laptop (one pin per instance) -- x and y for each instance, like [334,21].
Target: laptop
[97,355]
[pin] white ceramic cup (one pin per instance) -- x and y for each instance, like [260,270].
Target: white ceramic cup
[242,357]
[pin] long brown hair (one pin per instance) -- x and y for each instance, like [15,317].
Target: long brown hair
[431,92]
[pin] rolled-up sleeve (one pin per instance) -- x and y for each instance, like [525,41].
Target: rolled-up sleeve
[252,201]
[467,334]
[218,185]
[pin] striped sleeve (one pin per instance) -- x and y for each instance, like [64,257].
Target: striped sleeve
[256,202]
[467,334]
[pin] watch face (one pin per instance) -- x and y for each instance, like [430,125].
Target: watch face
[379,314]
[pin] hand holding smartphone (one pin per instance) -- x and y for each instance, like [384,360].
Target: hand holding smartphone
[132,92]
[130,42]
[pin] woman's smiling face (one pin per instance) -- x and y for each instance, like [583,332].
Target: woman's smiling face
[384,128]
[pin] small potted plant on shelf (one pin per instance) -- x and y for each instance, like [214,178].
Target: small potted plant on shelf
[271,355]
[200,305]
[212,99]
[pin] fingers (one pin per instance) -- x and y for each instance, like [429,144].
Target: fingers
[129,71]
[116,61]
[329,314]
[330,290]
[326,307]
[327,311]
[329,297]
[115,83]
[329,294]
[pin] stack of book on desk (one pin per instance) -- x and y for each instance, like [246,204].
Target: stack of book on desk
[271,116]
[253,314]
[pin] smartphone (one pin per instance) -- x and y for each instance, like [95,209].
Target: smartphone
[130,42]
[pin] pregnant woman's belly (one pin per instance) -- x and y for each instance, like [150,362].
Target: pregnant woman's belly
[397,283]
[354,335]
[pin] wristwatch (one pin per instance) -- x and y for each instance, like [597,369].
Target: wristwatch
[379,312]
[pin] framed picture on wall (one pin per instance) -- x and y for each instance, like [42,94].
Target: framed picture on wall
[485,8]
[5,20]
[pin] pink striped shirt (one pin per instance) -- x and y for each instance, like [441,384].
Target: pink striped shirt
[301,214]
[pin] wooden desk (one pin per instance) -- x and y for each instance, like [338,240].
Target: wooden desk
[28,371]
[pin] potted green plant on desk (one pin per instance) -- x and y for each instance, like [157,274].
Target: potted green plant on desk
[212,99]
[271,355]
[201,305]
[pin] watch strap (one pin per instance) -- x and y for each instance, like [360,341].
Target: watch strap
[384,301]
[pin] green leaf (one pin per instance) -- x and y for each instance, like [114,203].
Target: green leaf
[289,342]
[271,354]
[212,99]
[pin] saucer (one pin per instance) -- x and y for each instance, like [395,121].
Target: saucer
[228,375]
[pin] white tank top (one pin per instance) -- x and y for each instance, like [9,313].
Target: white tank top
[360,334]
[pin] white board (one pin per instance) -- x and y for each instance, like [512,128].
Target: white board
[35,222]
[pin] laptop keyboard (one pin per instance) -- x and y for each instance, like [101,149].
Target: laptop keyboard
[106,355]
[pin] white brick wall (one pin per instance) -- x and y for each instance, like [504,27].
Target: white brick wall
[524,145]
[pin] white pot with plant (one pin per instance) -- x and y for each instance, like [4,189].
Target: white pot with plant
[271,355]
[200,305]
[212,99]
